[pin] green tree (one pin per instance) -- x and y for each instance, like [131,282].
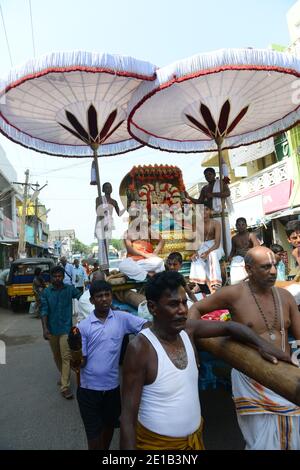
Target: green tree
[79,247]
[117,244]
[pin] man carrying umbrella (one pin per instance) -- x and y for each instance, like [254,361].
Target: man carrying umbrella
[212,195]
[105,224]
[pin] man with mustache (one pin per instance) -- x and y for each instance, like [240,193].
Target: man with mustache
[160,399]
[267,420]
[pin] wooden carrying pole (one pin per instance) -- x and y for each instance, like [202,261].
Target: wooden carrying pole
[282,378]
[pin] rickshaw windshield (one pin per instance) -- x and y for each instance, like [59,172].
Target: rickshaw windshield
[24,273]
[29,269]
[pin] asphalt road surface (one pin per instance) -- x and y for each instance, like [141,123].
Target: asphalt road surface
[33,414]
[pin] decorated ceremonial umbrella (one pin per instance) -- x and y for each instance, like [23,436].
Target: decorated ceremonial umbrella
[69,103]
[216,101]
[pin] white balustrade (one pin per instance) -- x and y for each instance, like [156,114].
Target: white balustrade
[264,179]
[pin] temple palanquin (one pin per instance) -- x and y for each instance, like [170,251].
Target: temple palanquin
[157,193]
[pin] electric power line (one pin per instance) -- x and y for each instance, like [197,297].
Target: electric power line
[67,167]
[6,37]
[4,197]
[87,162]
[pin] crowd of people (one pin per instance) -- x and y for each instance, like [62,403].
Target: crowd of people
[158,406]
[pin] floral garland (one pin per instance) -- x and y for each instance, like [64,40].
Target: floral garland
[153,173]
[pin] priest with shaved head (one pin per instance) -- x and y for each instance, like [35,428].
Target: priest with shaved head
[267,420]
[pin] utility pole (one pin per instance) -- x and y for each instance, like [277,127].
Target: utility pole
[36,221]
[34,198]
[21,248]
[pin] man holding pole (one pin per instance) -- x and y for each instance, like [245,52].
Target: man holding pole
[267,420]
[160,398]
[104,224]
[212,195]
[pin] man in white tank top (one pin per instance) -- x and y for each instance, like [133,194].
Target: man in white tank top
[160,401]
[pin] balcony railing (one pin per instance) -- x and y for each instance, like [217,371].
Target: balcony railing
[264,179]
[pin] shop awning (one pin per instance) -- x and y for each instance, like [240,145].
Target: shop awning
[284,213]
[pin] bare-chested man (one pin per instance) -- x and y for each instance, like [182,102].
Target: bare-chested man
[267,420]
[160,398]
[207,192]
[212,196]
[104,224]
[205,266]
[241,243]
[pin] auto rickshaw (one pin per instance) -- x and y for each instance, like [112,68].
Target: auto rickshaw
[20,279]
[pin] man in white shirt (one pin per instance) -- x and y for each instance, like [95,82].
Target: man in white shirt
[68,270]
[79,276]
[84,306]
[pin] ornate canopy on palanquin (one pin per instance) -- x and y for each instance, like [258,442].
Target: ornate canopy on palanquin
[160,188]
[152,184]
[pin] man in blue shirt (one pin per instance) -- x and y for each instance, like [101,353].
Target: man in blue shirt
[68,270]
[98,395]
[56,314]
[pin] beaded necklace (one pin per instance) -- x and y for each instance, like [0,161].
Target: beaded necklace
[270,328]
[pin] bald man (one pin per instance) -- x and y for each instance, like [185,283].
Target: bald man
[267,421]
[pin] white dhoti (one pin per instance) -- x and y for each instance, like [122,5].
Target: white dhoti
[207,270]
[139,269]
[103,254]
[238,272]
[199,296]
[294,289]
[227,230]
[267,420]
[103,232]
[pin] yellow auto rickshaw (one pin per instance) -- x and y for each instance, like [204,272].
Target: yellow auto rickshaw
[20,279]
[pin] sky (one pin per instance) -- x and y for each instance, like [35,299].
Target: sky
[160,31]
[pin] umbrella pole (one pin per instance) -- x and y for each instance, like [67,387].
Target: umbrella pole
[224,235]
[95,151]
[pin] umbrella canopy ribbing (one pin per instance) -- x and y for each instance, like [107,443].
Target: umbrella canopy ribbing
[63,102]
[240,95]
[217,100]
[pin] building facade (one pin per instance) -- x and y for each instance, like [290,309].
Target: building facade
[11,206]
[61,242]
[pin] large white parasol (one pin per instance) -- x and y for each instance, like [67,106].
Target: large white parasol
[217,100]
[66,103]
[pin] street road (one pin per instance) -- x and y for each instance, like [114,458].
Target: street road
[33,414]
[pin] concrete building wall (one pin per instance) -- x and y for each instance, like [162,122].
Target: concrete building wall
[293,21]
[6,168]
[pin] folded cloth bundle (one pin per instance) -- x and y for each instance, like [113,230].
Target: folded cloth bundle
[217,315]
